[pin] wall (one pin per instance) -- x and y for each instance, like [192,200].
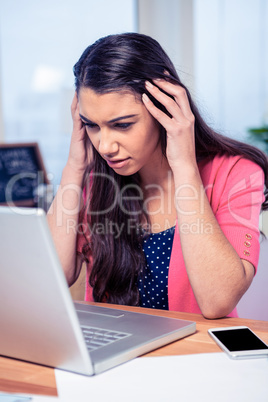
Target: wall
[171,23]
[231,63]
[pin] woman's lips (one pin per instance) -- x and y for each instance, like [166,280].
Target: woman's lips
[117,164]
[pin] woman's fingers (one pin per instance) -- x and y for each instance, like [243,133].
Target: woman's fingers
[178,107]
[75,111]
[80,147]
[74,103]
[180,126]
[160,116]
[179,94]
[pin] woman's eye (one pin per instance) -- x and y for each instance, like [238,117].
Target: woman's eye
[89,125]
[123,126]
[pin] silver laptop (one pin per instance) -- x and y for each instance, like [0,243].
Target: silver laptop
[41,324]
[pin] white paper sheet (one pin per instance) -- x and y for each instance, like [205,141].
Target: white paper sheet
[201,377]
[4,397]
[44,398]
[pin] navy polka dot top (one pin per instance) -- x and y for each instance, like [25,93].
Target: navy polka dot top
[153,283]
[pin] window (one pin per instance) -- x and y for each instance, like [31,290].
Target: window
[40,43]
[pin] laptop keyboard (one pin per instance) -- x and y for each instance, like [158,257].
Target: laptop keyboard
[98,337]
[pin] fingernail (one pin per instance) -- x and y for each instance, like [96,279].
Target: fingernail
[148,84]
[145,98]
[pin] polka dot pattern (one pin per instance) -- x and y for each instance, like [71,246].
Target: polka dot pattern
[153,283]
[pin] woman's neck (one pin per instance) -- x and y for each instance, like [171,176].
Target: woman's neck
[157,174]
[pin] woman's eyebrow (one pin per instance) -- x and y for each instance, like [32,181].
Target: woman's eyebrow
[85,119]
[122,117]
[110,121]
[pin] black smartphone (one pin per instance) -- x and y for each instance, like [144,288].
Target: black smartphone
[239,342]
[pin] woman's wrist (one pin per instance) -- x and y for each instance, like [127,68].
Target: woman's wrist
[185,173]
[72,174]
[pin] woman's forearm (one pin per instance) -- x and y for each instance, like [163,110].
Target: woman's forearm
[63,220]
[216,272]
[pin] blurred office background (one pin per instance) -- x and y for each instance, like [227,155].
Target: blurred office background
[220,49]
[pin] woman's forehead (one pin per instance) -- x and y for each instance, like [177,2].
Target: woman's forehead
[109,105]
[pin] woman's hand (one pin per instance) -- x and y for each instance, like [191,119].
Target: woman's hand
[80,148]
[179,127]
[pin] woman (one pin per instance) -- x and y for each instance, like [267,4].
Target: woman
[163,210]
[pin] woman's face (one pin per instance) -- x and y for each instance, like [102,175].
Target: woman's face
[121,129]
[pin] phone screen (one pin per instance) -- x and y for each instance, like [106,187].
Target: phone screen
[240,339]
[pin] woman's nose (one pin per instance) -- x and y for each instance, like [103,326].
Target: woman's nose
[107,144]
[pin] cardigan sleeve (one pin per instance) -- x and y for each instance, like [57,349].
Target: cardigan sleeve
[235,190]
[236,199]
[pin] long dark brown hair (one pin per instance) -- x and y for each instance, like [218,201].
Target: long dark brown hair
[114,203]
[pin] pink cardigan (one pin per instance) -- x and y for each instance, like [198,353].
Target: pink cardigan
[234,187]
